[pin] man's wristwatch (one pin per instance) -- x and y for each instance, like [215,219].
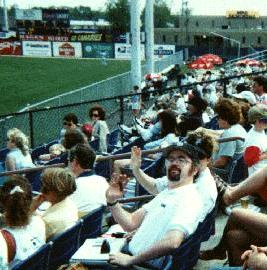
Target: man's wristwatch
[112,204]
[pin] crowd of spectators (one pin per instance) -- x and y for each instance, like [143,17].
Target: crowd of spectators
[192,126]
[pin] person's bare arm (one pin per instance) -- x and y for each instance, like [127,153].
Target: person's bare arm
[172,240]
[10,164]
[146,181]
[221,162]
[254,183]
[128,221]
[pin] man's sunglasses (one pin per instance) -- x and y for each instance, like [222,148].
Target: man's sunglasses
[95,115]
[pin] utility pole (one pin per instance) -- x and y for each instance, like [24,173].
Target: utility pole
[149,30]
[5,17]
[186,14]
[136,43]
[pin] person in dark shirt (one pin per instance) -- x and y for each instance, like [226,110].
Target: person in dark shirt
[193,118]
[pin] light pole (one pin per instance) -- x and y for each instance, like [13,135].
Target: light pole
[231,39]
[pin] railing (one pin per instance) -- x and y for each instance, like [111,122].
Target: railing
[111,87]
[259,55]
[44,125]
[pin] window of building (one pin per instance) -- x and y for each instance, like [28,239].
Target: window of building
[163,38]
[213,23]
[262,24]
[243,39]
[259,40]
[197,24]
[175,38]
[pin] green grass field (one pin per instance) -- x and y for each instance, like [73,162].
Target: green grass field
[29,80]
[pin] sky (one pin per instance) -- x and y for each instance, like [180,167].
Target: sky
[199,7]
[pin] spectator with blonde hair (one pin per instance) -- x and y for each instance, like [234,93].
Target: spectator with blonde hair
[57,185]
[18,156]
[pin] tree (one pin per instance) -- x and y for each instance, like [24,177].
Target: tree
[118,14]
[162,14]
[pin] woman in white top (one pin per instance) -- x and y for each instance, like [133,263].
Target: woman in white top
[27,232]
[18,156]
[100,127]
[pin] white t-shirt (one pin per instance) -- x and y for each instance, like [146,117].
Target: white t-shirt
[206,187]
[28,238]
[231,148]
[259,139]
[21,161]
[90,193]
[171,209]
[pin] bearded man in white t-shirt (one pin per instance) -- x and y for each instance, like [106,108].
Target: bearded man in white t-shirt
[165,222]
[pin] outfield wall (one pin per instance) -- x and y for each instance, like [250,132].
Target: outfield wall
[48,48]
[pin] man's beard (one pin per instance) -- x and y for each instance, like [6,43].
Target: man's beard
[174,176]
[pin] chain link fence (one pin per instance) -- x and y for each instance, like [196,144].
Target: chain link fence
[43,121]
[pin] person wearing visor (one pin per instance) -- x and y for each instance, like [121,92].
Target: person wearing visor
[255,155]
[179,217]
[204,145]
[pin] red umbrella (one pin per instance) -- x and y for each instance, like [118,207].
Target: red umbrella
[212,58]
[152,76]
[248,61]
[200,64]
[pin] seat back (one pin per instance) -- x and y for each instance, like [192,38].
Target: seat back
[91,225]
[37,261]
[64,246]
[112,139]
[39,150]
[35,180]
[186,255]
[238,171]
[3,154]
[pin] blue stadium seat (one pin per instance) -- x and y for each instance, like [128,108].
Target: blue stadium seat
[64,246]
[113,139]
[238,171]
[36,152]
[212,124]
[94,144]
[186,256]
[3,153]
[35,180]
[91,225]
[37,261]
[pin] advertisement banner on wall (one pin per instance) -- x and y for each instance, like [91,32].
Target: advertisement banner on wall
[10,48]
[44,38]
[123,51]
[37,48]
[161,51]
[28,14]
[98,50]
[67,49]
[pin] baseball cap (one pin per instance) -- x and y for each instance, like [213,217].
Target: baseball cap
[247,95]
[189,149]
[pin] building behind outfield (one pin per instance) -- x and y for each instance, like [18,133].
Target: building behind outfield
[199,33]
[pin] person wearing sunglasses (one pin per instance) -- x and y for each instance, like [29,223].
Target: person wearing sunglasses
[100,128]
[70,122]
